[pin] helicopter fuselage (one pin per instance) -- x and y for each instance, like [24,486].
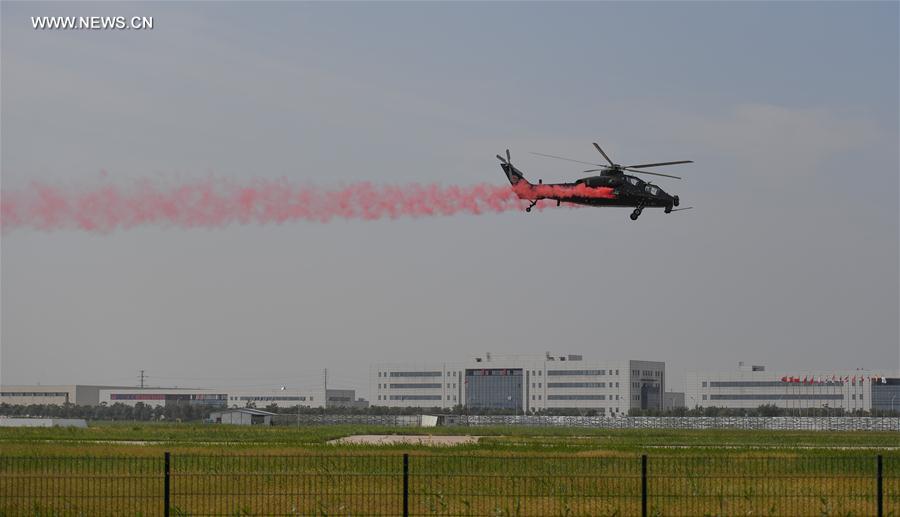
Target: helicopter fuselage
[613,187]
[618,190]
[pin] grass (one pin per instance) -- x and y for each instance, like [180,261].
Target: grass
[230,470]
[112,438]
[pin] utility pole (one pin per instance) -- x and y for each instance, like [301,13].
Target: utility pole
[142,379]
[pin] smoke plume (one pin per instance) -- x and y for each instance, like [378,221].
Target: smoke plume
[216,203]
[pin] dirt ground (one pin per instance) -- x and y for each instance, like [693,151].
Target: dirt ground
[398,439]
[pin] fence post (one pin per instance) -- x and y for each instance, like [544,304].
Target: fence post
[879,491]
[643,485]
[166,486]
[405,485]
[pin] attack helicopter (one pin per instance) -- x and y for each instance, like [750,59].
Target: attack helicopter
[615,186]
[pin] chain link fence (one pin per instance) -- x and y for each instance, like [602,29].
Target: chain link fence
[459,485]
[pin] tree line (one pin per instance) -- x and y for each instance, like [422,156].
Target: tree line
[191,412]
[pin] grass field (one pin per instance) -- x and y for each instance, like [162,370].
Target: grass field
[114,438]
[117,469]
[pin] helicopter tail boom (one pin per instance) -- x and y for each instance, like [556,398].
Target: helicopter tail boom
[520,185]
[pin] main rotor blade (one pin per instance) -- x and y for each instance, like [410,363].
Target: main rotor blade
[641,166]
[508,158]
[568,159]
[653,173]
[595,170]
[501,159]
[604,154]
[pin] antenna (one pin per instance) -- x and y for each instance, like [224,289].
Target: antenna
[142,379]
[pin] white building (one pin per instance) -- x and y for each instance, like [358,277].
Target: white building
[232,398]
[753,386]
[163,396]
[24,395]
[523,383]
[241,416]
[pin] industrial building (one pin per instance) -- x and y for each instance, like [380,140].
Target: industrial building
[241,416]
[79,394]
[86,395]
[753,386]
[522,383]
[673,400]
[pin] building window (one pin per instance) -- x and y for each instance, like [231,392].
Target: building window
[778,396]
[704,384]
[415,374]
[416,385]
[574,372]
[576,397]
[704,397]
[576,384]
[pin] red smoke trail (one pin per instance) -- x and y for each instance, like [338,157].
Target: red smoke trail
[211,203]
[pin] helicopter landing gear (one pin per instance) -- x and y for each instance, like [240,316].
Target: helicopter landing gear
[534,202]
[676,201]
[668,209]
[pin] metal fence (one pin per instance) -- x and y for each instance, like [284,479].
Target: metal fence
[777,423]
[773,423]
[431,484]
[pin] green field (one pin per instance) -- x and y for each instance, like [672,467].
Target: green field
[113,438]
[117,469]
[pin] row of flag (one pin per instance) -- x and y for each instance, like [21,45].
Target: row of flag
[833,379]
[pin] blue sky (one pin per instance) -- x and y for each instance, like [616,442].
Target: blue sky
[790,111]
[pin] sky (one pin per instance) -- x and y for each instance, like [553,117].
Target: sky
[789,258]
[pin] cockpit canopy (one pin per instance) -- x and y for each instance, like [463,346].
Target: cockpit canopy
[597,181]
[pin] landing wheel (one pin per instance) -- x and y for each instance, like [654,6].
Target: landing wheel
[634,215]
[668,209]
[676,201]
[528,209]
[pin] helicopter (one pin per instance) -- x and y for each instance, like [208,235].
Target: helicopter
[613,187]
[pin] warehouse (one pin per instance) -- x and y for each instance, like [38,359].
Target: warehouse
[90,395]
[80,394]
[522,383]
[754,386]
